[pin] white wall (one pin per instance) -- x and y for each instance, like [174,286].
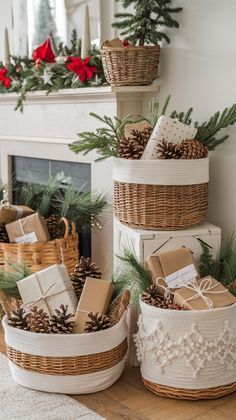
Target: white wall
[199,70]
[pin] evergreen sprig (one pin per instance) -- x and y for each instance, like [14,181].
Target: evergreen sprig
[223,266]
[131,274]
[9,279]
[104,140]
[81,207]
[144,26]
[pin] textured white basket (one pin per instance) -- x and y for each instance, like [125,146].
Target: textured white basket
[72,345]
[161,171]
[191,350]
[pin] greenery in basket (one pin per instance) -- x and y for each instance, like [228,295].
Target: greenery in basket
[105,140]
[223,266]
[24,75]
[132,275]
[144,25]
[77,206]
[8,282]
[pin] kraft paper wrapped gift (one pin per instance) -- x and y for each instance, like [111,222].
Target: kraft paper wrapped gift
[10,213]
[175,267]
[169,129]
[140,126]
[95,297]
[48,289]
[206,293]
[30,229]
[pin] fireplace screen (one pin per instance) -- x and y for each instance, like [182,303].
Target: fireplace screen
[38,171]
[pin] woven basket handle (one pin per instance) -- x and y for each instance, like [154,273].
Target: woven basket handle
[67,228]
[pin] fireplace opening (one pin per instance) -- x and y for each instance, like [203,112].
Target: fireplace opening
[25,170]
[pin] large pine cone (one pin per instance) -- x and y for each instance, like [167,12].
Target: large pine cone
[152,296]
[98,322]
[133,147]
[61,322]
[193,149]
[56,230]
[38,321]
[168,150]
[18,319]
[85,268]
[3,234]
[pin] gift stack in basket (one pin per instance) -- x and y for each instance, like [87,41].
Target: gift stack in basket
[187,330]
[26,236]
[69,332]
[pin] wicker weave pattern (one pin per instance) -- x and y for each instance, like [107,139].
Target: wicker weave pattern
[40,255]
[189,394]
[77,365]
[130,66]
[160,207]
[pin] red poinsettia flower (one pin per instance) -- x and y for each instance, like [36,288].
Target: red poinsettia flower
[82,68]
[44,52]
[4,79]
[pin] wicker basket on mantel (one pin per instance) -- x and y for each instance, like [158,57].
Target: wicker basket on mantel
[68,364]
[160,194]
[130,66]
[195,358]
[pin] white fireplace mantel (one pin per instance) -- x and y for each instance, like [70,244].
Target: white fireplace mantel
[50,122]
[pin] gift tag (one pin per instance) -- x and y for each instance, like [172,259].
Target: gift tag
[181,277]
[29,238]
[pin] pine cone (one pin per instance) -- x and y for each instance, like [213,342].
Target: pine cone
[169,150]
[84,269]
[152,295]
[193,149]
[38,321]
[56,230]
[133,147]
[59,323]
[18,319]
[98,322]
[118,306]
[3,234]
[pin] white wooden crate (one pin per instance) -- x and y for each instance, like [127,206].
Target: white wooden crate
[145,243]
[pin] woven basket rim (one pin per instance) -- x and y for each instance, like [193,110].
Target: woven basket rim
[59,336]
[185,313]
[131,48]
[136,162]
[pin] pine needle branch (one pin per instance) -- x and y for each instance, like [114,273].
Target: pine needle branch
[131,275]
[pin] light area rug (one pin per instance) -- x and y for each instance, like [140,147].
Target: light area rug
[18,403]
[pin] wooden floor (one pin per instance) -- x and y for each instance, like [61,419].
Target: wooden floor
[128,399]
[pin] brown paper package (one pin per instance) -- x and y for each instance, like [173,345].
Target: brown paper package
[96,297]
[167,262]
[218,300]
[10,213]
[140,126]
[30,224]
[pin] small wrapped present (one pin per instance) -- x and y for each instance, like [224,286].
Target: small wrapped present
[30,229]
[139,126]
[168,129]
[116,42]
[206,293]
[48,289]
[9,213]
[96,297]
[172,267]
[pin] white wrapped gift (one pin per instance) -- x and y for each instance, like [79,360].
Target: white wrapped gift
[48,289]
[168,129]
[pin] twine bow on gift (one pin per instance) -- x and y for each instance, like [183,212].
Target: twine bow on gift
[204,286]
[45,295]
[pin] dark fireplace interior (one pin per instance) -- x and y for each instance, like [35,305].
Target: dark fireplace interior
[38,171]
